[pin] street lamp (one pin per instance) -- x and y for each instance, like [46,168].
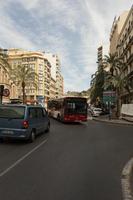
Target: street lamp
[1,93]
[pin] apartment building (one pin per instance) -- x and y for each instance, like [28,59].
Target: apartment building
[116,30]
[40,65]
[56,76]
[52,88]
[61,87]
[121,43]
[100,58]
[100,55]
[48,68]
[125,51]
[5,79]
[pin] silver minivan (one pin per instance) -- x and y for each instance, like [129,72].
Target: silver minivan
[23,121]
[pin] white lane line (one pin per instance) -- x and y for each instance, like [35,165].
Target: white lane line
[22,158]
[126,180]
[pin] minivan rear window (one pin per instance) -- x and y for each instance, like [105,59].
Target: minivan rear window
[12,112]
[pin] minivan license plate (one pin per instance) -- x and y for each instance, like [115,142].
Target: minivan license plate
[7,132]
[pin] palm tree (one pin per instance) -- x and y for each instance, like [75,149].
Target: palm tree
[114,63]
[24,76]
[97,83]
[116,80]
[4,60]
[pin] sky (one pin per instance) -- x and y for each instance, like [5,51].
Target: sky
[73,29]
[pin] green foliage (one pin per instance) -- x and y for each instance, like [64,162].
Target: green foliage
[115,78]
[114,63]
[97,84]
[24,76]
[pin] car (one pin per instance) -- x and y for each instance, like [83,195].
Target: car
[90,111]
[23,121]
[96,112]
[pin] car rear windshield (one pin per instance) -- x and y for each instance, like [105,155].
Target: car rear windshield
[12,112]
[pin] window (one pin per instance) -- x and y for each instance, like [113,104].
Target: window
[40,113]
[32,58]
[12,112]
[32,66]
[32,113]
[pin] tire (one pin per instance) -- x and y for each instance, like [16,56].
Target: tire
[48,128]
[32,137]
[1,140]
[58,118]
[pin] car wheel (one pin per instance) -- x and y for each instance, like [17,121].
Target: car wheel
[48,128]
[32,136]
[1,140]
[58,117]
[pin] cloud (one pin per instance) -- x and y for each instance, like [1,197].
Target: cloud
[72,30]
[11,37]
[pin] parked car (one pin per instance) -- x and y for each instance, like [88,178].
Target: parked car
[96,112]
[23,121]
[90,111]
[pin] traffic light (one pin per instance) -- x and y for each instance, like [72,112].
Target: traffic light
[1,89]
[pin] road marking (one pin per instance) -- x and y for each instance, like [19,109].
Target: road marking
[22,158]
[126,180]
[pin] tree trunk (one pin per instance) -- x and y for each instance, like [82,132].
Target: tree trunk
[118,104]
[23,91]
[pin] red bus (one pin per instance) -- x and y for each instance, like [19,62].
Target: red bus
[68,109]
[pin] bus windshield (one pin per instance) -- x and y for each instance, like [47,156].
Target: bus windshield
[75,106]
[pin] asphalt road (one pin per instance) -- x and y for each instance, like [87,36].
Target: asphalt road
[73,162]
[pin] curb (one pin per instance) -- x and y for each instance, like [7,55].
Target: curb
[113,122]
[126,180]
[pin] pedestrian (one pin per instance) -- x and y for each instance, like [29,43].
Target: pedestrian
[110,114]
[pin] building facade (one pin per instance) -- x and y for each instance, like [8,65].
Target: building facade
[40,66]
[125,51]
[5,79]
[116,30]
[47,67]
[56,76]
[52,89]
[121,44]
[100,56]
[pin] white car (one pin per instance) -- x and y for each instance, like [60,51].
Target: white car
[96,112]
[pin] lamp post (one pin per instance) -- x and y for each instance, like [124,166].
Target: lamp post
[1,93]
[3,55]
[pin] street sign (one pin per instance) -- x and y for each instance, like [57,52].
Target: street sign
[109,93]
[6,92]
[109,96]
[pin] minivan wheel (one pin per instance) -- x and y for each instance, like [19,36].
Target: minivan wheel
[32,136]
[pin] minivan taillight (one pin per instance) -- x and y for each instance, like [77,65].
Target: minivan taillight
[25,124]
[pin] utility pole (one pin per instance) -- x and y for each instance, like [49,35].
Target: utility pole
[1,93]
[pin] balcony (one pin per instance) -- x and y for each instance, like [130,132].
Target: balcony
[124,48]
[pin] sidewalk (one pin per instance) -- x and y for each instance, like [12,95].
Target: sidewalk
[105,118]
